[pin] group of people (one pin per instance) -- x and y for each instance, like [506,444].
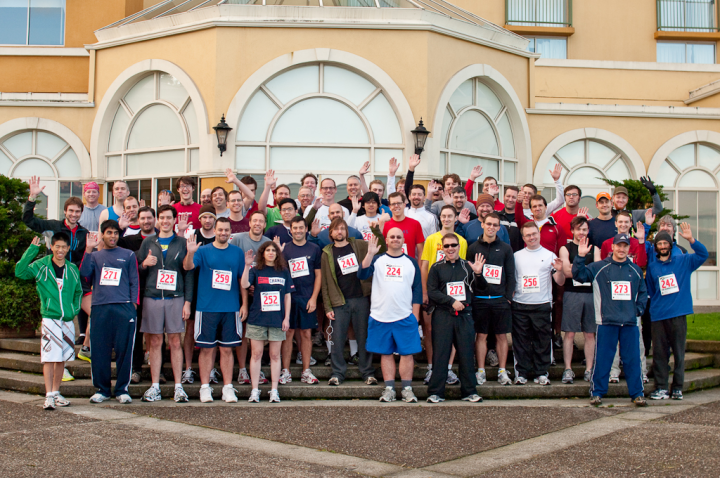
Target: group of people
[430,269]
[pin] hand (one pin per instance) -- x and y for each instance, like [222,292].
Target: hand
[142,203]
[35,241]
[475,173]
[276,240]
[640,232]
[311,305]
[521,197]
[243,313]
[364,169]
[414,162]
[649,217]
[182,222]
[286,324]
[647,182]
[192,244]
[124,220]
[464,216]
[447,198]
[270,179]
[584,247]
[35,188]
[583,211]
[330,315]
[493,190]
[92,241]
[249,258]
[556,172]
[686,232]
[373,247]
[477,266]
[433,186]
[458,306]
[426,300]
[317,204]
[150,260]
[315,228]
[231,178]
[393,166]
[355,205]
[186,311]
[164,198]
[384,217]
[557,264]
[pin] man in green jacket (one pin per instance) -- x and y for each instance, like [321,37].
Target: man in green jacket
[58,285]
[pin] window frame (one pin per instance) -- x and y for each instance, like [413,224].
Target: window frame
[686,43]
[533,42]
[27,30]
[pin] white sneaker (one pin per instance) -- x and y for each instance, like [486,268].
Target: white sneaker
[254,396]
[285,377]
[243,377]
[99,398]
[124,399]
[428,375]
[542,380]
[228,394]
[262,380]
[188,376]
[481,377]
[452,379]
[215,376]
[308,377]
[388,395]
[408,396]
[206,394]
[492,358]
[49,402]
[67,376]
[274,396]
[180,395]
[298,359]
[152,394]
[503,378]
[61,401]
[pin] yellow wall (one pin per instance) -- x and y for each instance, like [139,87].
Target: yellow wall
[37,74]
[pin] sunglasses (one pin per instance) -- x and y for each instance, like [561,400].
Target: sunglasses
[448,246]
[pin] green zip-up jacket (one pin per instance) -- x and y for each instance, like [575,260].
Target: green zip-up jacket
[54,303]
[332,295]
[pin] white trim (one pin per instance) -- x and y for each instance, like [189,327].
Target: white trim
[67,100]
[499,85]
[698,136]
[703,92]
[626,65]
[636,166]
[636,111]
[42,51]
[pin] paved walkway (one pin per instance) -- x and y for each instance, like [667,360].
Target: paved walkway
[352,438]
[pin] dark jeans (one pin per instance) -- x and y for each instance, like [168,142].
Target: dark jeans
[355,312]
[532,335]
[113,328]
[669,334]
[449,329]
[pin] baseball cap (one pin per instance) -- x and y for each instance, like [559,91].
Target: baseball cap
[603,195]
[621,190]
[621,238]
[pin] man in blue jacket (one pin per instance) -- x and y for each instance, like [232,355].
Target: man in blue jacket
[668,283]
[620,299]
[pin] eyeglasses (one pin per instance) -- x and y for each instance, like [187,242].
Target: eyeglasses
[235,201]
[329,188]
[448,246]
[287,209]
[572,195]
[396,204]
[185,186]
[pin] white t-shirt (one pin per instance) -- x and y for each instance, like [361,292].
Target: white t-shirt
[395,283]
[427,220]
[322,215]
[533,273]
[362,224]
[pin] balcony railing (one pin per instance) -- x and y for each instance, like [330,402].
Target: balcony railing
[538,13]
[687,16]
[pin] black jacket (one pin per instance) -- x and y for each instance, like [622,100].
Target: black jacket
[443,272]
[176,252]
[496,253]
[508,221]
[77,238]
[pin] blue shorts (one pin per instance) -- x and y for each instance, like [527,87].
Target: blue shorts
[299,316]
[214,329]
[387,338]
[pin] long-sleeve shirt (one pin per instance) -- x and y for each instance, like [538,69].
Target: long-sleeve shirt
[552,236]
[447,282]
[637,252]
[499,269]
[114,276]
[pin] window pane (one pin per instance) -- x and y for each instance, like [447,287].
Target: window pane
[250,158]
[687,206]
[67,189]
[34,167]
[707,285]
[161,162]
[599,154]
[191,121]
[142,93]
[382,160]
[551,47]
[701,53]
[146,192]
[382,119]
[586,177]
[473,133]
[509,170]
[506,137]
[68,165]
[194,160]
[47,22]
[443,164]
[667,175]
[296,82]
[320,120]
[256,118]
[118,130]
[134,188]
[347,84]
[114,167]
[5,164]
[487,100]
[684,156]
[547,179]
[156,127]
[172,91]
[708,157]
[462,165]
[462,97]
[318,159]
[707,224]
[19,145]
[697,179]
[447,119]
[164,185]
[668,52]
[531,45]
[49,145]
[669,203]
[572,154]
[13,22]
[619,171]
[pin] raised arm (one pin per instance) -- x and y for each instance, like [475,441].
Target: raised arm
[231,178]
[270,182]
[559,200]
[364,169]
[23,269]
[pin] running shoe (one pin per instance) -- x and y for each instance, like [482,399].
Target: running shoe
[645,378]
[318,339]
[162,380]
[99,398]
[180,395]
[558,341]
[334,381]
[262,380]
[388,395]
[146,358]
[188,376]
[124,399]
[596,400]
[135,377]
[308,377]
[492,358]
[243,377]
[67,376]
[49,402]
[80,339]
[355,359]
[481,377]
[435,399]
[328,361]
[85,354]
[503,378]
[152,394]
[452,379]
[298,359]
[428,375]
[659,395]
[215,376]
[285,377]
[640,401]
[677,395]
[472,398]
[408,395]
[61,401]
[206,394]
[614,379]
[568,376]
[520,380]
[542,380]
[228,394]
[274,396]
[588,375]
[371,381]
[254,396]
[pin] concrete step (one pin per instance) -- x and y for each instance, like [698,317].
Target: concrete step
[353,389]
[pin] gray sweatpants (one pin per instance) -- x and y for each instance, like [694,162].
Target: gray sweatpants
[669,334]
[615,369]
[355,312]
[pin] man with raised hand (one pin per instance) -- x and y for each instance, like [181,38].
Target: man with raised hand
[354,189]
[365,224]
[492,313]
[637,253]
[217,321]
[90,218]
[416,196]
[472,229]
[113,273]
[564,216]
[120,192]
[450,182]
[620,199]
[288,211]
[185,186]
[489,186]
[328,189]
[412,231]
[451,284]
[128,221]
[530,190]
[620,297]
[377,186]
[345,298]
[321,237]
[603,226]
[168,296]
[395,311]
[668,282]
[507,217]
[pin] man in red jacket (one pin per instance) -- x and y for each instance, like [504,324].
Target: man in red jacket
[637,254]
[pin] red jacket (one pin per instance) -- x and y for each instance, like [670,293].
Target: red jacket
[637,252]
[498,206]
[552,237]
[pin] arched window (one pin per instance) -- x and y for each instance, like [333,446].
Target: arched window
[690,175]
[476,130]
[318,117]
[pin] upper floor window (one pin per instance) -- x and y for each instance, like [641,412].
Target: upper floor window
[539,13]
[32,22]
[685,52]
[549,47]
[686,15]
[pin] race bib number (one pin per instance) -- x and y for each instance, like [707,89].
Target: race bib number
[221,280]
[440,256]
[492,274]
[393,273]
[367,235]
[166,280]
[348,264]
[620,290]
[530,284]
[299,267]
[456,290]
[59,284]
[270,301]
[581,284]
[669,284]
[404,248]
[110,276]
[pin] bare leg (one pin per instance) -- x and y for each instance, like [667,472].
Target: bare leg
[407,364]
[589,350]
[287,346]
[176,356]
[387,363]
[154,342]
[568,349]
[53,373]
[57,376]
[85,304]
[205,363]
[427,335]
[452,356]
[257,347]
[189,342]
[480,349]
[306,347]
[241,352]
[226,365]
[275,347]
[502,349]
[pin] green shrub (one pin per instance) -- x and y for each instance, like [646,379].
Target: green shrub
[19,306]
